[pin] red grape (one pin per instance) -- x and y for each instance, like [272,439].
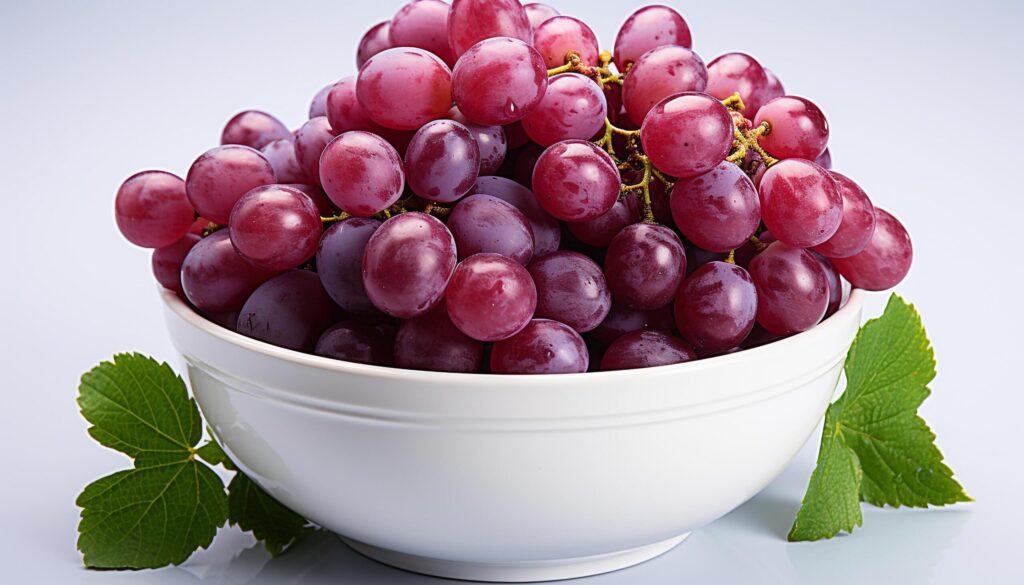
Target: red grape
[542,347]
[490,297]
[644,265]
[800,203]
[345,113]
[362,173]
[835,285]
[254,129]
[622,319]
[557,36]
[152,209]
[423,24]
[546,230]
[442,161]
[886,259]
[716,307]
[220,176]
[324,205]
[281,155]
[498,81]
[358,341]
[659,73]
[318,105]
[490,141]
[275,227]
[646,349]
[432,342]
[858,221]
[719,210]
[600,230]
[792,289]
[290,310]
[797,128]
[575,180]
[374,41]
[310,141]
[739,73]
[537,13]
[648,28]
[687,134]
[484,223]
[573,107]
[774,88]
[339,261]
[215,278]
[472,21]
[404,88]
[571,289]
[166,262]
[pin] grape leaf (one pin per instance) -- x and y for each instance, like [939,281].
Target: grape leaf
[252,509]
[212,453]
[874,445]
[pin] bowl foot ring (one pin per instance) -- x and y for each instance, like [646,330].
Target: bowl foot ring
[521,572]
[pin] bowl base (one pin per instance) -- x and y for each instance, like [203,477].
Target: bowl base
[521,572]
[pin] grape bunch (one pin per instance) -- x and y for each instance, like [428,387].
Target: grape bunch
[492,192]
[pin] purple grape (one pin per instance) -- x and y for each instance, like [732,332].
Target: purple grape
[472,21]
[648,28]
[432,342]
[835,285]
[800,203]
[407,264]
[792,290]
[275,227]
[374,41]
[345,113]
[215,278]
[719,210]
[600,230]
[644,265]
[220,176]
[573,107]
[358,341]
[281,155]
[362,173]
[254,129]
[490,141]
[858,221]
[404,88]
[290,310]
[559,35]
[697,257]
[443,161]
[546,231]
[542,347]
[571,289]
[716,307]
[646,349]
[825,160]
[687,134]
[575,180]
[774,87]
[310,141]
[537,13]
[658,74]
[499,80]
[318,105]
[484,223]
[739,73]
[490,297]
[798,129]
[423,24]
[166,262]
[323,204]
[886,259]
[339,261]
[152,209]
[622,319]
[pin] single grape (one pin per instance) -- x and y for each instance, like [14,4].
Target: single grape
[254,129]
[774,87]
[318,105]
[490,297]
[345,113]
[404,88]
[644,265]
[739,73]
[220,176]
[537,13]
[824,160]
[716,307]
[498,81]
[658,74]
[310,141]
[571,289]
[362,173]
[557,36]
[472,21]
[646,349]
[442,161]
[719,210]
[423,24]
[575,180]
[858,221]
[542,347]
[484,223]
[800,203]
[407,264]
[228,320]
[687,134]
[600,230]
[281,155]
[166,262]
[622,319]
[573,107]
[152,209]
[290,310]
[275,227]
[490,141]
[374,41]
[792,290]
[323,204]
[547,233]
[339,262]
[797,128]
[358,341]
[432,342]
[886,259]
[215,278]
[648,28]
[835,286]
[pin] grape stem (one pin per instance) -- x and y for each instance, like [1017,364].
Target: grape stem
[644,186]
[328,220]
[731,258]
[610,130]
[600,73]
[745,135]
[759,246]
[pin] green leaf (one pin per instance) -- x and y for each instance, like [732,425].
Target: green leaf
[141,408]
[151,516]
[874,445]
[252,509]
[212,453]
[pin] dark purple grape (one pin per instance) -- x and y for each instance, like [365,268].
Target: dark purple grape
[310,141]
[490,297]
[600,230]
[432,342]
[797,128]
[716,307]
[646,349]
[525,163]
[359,341]
[472,21]
[858,221]
[575,180]
[571,289]
[215,278]
[559,35]
[886,259]
[835,285]
[275,227]
[443,161]
[573,107]
[644,265]
[546,230]
[658,74]
[792,290]
[648,28]
[484,223]
[166,262]
[404,88]
[622,319]
[800,203]
[290,310]
[339,262]
[542,347]
[499,80]
[719,210]
[281,155]
[219,178]
[687,134]
[362,173]
[423,24]
[254,129]
[374,41]
[152,209]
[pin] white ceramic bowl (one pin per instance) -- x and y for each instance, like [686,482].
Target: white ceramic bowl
[511,478]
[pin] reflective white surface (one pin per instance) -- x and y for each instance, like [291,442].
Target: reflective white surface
[922,98]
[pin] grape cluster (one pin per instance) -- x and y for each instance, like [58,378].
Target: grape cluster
[493,193]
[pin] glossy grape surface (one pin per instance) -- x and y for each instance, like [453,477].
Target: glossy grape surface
[648,28]
[858,221]
[404,88]
[433,342]
[542,347]
[423,24]
[571,289]
[573,107]
[310,142]
[547,234]
[537,13]
[719,210]
[442,161]
[792,290]
[490,141]
[484,223]
[575,180]
[166,262]
[687,134]
[220,176]
[374,41]
[290,310]
[215,278]
[152,209]
[800,203]
[323,204]
[716,306]
[361,173]
[254,129]
[472,21]
[658,74]
[318,105]
[345,113]
[835,285]
[275,227]
[646,349]
[281,156]
[339,262]
[498,81]
[490,297]
[557,36]
[886,259]
[600,230]
[644,265]
[798,129]
[739,73]
[358,341]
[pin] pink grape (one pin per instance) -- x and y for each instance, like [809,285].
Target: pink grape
[658,74]
[166,261]
[622,319]
[739,73]
[600,230]
[345,113]
[646,349]
[885,261]
[152,209]
[432,342]
[220,176]
[339,262]
[281,156]
[774,88]
[716,306]
[407,264]
[573,107]
[498,81]
[571,289]
[575,180]
[404,88]
[484,223]
[798,129]
[825,160]
[290,310]
[472,21]
[648,28]
[835,285]
[644,265]
[858,221]
[423,24]
[490,141]
[442,161]
[324,205]
[275,227]
[254,129]
[557,36]
[215,278]
[542,347]
[358,341]
[719,210]
[374,41]
[362,173]
[310,142]
[318,105]
[490,297]
[537,13]
[687,134]
[792,290]
[800,203]
[546,230]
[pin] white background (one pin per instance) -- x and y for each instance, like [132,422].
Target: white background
[924,103]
